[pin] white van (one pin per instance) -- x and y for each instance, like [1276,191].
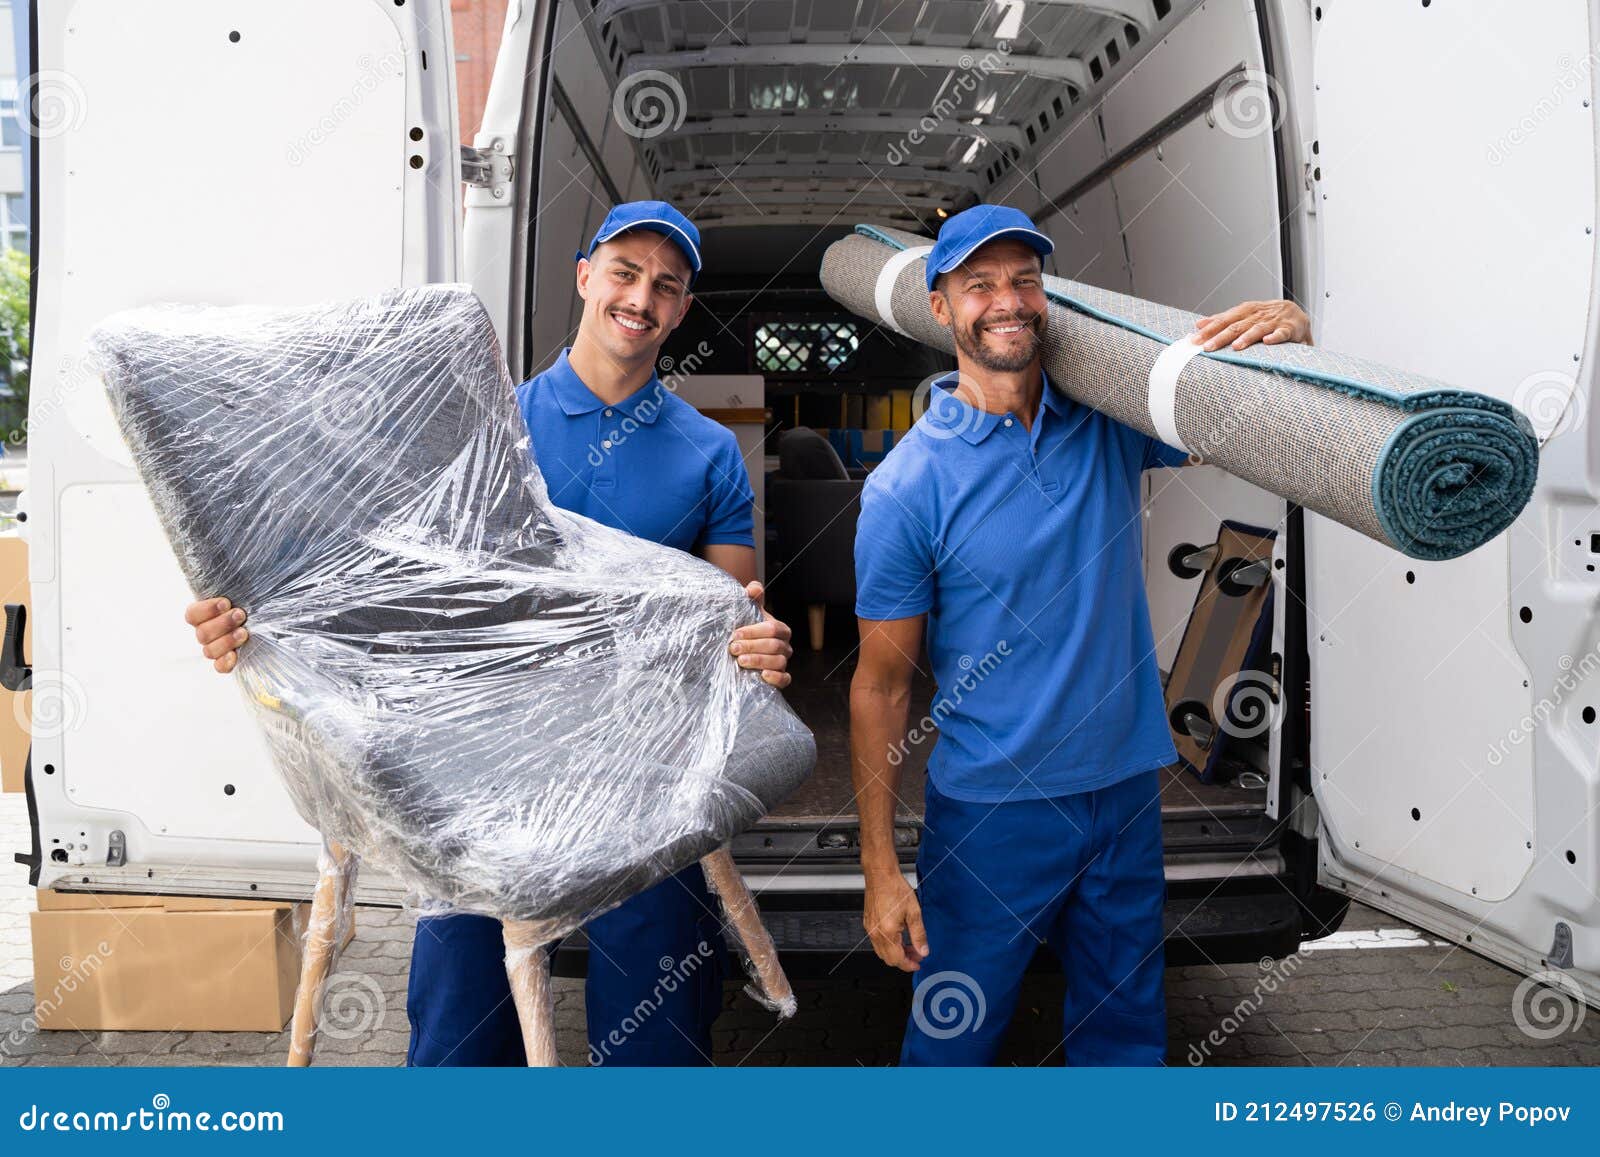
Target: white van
[1422,176]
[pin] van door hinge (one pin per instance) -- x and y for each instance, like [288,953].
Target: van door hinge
[486,169]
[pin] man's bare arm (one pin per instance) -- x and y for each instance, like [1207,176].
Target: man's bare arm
[880,700]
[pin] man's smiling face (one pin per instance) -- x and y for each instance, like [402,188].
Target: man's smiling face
[635,291]
[994,304]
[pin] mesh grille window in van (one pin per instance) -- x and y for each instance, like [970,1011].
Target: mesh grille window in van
[800,346]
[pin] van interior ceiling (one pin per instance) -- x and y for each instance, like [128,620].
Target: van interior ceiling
[779,125]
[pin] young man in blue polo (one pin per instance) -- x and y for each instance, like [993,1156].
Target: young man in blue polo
[1005,528]
[616,445]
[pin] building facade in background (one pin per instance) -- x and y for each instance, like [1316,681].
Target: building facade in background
[476,26]
[13,141]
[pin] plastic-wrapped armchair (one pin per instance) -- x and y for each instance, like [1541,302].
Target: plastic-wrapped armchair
[512,709]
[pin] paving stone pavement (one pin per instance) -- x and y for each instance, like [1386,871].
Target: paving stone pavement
[1390,997]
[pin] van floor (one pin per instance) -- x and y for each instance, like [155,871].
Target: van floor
[820,695]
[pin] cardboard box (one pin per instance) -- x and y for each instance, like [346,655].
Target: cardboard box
[183,963]
[15,707]
[53,901]
[155,968]
[900,410]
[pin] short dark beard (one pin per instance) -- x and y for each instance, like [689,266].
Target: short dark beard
[970,343]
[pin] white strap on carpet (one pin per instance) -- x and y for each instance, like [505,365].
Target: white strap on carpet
[883,293]
[1164,389]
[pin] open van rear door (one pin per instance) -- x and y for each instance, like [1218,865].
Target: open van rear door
[194,151]
[1455,750]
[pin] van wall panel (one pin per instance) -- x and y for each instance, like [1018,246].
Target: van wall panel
[1200,218]
[1468,258]
[572,198]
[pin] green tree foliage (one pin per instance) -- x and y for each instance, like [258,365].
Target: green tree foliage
[14,345]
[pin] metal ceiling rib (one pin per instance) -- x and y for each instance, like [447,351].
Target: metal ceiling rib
[832,56]
[1141,13]
[746,197]
[805,105]
[827,122]
[677,179]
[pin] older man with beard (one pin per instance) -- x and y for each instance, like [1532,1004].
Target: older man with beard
[1005,527]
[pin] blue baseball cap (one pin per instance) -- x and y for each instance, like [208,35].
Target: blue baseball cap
[656,216]
[961,235]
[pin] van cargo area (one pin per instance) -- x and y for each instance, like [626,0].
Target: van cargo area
[785,144]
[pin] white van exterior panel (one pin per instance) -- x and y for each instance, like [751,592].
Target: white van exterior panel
[1456,221]
[138,760]
[308,196]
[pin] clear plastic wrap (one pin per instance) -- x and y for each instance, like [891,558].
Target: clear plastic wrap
[512,709]
[330,919]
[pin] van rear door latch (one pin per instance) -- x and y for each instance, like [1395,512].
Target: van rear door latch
[16,674]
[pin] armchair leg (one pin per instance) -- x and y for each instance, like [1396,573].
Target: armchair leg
[745,919]
[324,934]
[816,616]
[528,969]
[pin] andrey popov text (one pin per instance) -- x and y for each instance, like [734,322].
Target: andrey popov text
[1448,1112]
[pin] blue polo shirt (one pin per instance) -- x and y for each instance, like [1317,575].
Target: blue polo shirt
[651,465]
[1023,547]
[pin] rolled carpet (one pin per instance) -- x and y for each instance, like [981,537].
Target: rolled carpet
[1431,470]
